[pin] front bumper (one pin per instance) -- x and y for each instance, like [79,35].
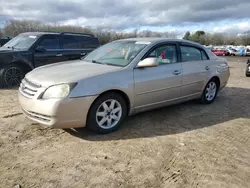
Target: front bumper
[57,113]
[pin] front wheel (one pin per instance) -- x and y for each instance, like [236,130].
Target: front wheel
[11,76]
[107,113]
[210,92]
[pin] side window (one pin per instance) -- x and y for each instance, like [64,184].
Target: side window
[50,42]
[165,54]
[88,42]
[69,43]
[204,55]
[189,53]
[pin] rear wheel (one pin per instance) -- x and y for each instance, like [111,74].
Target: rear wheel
[107,113]
[11,76]
[210,92]
[248,71]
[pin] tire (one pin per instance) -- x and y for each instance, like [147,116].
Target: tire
[15,72]
[207,98]
[108,120]
[247,72]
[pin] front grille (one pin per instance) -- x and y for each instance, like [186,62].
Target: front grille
[28,88]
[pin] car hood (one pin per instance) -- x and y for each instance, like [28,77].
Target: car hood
[67,72]
[4,50]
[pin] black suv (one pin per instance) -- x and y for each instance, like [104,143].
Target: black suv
[4,40]
[30,50]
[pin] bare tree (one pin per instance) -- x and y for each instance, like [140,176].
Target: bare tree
[15,27]
[245,39]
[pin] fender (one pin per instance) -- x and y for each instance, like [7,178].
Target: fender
[23,58]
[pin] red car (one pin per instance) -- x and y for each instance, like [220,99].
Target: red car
[220,52]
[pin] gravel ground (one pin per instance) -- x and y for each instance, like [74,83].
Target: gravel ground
[186,145]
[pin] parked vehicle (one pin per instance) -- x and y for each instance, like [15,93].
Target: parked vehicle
[233,52]
[248,68]
[247,52]
[30,50]
[4,40]
[244,51]
[121,78]
[220,52]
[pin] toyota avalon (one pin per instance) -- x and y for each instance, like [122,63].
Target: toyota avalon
[120,79]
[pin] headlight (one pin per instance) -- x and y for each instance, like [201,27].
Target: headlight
[58,91]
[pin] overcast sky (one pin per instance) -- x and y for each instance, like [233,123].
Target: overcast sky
[232,16]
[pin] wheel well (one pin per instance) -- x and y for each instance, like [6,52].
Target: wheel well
[26,68]
[217,80]
[124,96]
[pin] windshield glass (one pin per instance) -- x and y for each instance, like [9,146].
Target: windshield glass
[21,42]
[119,53]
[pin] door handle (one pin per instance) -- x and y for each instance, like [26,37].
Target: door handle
[177,72]
[207,68]
[58,55]
[83,53]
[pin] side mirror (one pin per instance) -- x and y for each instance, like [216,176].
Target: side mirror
[148,62]
[40,49]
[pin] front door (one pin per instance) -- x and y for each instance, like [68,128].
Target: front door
[52,53]
[157,85]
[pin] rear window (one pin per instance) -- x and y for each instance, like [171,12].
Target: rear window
[189,53]
[69,43]
[88,42]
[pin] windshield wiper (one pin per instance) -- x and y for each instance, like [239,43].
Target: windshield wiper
[113,64]
[98,62]
[12,47]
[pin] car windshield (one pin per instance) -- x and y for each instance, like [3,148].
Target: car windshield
[21,42]
[119,53]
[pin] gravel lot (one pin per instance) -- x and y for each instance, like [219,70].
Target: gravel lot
[186,145]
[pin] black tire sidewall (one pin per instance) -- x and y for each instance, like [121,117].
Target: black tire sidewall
[247,71]
[3,84]
[91,119]
[203,98]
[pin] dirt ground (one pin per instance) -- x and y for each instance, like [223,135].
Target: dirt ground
[186,145]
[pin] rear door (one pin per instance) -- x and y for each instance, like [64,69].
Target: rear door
[87,44]
[195,67]
[70,48]
[52,53]
[76,47]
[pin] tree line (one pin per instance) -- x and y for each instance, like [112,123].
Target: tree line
[14,27]
[218,38]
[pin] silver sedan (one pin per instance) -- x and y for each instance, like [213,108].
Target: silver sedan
[121,78]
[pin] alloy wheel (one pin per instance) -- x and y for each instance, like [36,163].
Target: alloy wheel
[13,76]
[109,114]
[211,91]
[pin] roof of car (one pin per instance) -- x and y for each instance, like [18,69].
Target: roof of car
[151,39]
[55,33]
